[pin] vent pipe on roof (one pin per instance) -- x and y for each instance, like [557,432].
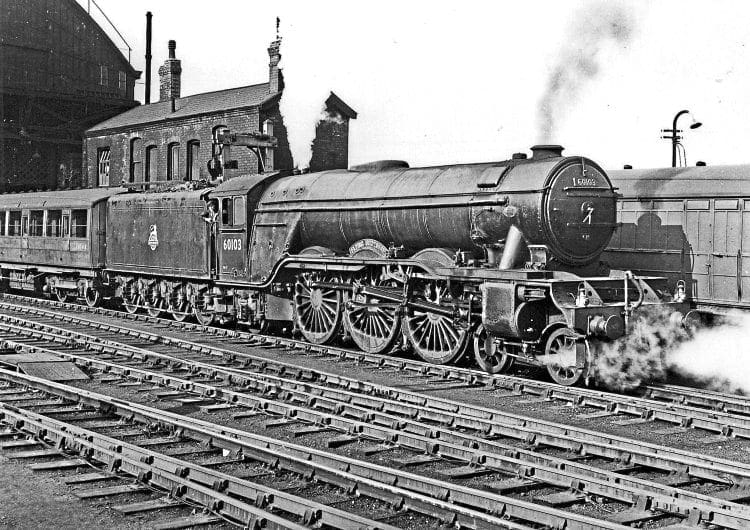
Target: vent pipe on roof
[147,95]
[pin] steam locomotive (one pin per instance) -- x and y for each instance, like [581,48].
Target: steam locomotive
[500,256]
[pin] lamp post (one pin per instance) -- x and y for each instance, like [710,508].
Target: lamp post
[674,134]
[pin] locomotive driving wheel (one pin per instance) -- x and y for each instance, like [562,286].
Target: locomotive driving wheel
[372,323]
[435,337]
[489,356]
[562,351]
[317,309]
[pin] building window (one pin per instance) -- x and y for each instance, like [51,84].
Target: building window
[122,82]
[173,161]
[104,75]
[103,174]
[152,164]
[136,160]
[215,149]
[3,215]
[193,160]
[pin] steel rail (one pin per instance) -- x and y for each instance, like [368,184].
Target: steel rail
[717,421]
[250,505]
[701,398]
[548,433]
[453,504]
[452,445]
[719,402]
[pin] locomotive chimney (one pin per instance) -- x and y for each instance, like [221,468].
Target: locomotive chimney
[540,152]
[169,76]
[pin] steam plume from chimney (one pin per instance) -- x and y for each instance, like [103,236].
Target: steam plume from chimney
[593,29]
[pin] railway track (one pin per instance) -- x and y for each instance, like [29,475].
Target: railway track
[684,408]
[467,436]
[441,501]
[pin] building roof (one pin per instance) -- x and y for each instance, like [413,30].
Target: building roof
[205,103]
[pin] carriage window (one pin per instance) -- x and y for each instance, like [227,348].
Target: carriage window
[726,204]
[66,225]
[78,223]
[2,223]
[239,211]
[14,224]
[226,211]
[36,223]
[54,223]
[697,205]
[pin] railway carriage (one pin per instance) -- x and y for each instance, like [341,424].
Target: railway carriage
[690,225]
[54,241]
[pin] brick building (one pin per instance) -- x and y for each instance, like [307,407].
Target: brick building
[60,73]
[172,140]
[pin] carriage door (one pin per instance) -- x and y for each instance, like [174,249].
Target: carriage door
[726,256]
[233,238]
[699,233]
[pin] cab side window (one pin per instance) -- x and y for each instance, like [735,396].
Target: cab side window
[239,211]
[227,211]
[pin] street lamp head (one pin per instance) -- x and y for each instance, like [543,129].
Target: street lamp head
[695,124]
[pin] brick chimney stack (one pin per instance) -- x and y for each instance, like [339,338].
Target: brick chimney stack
[275,80]
[169,76]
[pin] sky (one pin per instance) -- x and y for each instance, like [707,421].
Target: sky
[448,82]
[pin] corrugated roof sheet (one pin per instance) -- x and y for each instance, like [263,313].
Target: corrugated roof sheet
[706,181]
[207,102]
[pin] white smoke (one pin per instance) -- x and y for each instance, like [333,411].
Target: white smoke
[593,30]
[302,104]
[717,357]
[658,347]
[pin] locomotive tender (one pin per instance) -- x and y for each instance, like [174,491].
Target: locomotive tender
[504,256]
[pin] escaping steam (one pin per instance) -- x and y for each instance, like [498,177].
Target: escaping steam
[659,346]
[592,30]
[302,104]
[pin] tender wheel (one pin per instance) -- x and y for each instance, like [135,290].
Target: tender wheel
[131,298]
[203,314]
[61,295]
[372,323]
[179,307]
[488,355]
[561,353]
[317,310]
[93,296]
[435,338]
[155,303]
